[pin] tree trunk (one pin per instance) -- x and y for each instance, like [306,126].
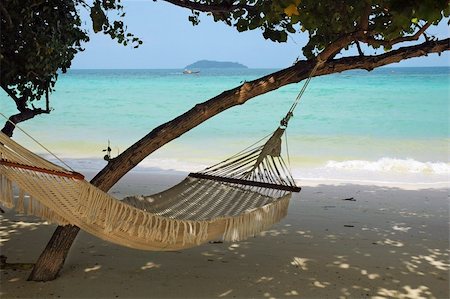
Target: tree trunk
[52,259]
[24,115]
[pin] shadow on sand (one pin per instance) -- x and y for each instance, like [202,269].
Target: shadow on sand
[387,243]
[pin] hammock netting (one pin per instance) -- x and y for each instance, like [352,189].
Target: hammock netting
[232,200]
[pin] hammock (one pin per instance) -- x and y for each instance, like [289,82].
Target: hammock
[232,200]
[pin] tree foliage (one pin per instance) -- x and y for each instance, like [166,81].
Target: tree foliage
[37,39]
[378,23]
[40,38]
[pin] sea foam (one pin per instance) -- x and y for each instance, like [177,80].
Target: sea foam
[392,165]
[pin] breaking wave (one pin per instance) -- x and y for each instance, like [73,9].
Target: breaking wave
[392,165]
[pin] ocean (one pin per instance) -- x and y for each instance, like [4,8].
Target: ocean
[390,125]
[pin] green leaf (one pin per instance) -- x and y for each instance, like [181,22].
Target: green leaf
[98,17]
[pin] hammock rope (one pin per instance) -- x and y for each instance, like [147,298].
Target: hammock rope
[188,214]
[284,122]
[37,142]
[234,199]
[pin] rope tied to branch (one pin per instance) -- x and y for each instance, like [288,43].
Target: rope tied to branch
[284,122]
[38,143]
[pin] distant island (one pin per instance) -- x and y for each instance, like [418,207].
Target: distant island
[210,64]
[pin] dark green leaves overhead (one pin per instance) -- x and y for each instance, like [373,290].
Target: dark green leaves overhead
[115,28]
[40,38]
[98,17]
[326,21]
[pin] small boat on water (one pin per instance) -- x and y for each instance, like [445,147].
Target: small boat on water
[189,72]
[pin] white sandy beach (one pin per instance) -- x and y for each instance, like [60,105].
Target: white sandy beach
[390,242]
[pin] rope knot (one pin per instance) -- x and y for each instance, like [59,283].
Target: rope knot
[284,122]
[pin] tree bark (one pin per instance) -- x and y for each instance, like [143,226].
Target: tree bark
[51,260]
[24,115]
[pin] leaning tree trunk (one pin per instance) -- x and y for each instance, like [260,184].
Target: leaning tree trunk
[52,258]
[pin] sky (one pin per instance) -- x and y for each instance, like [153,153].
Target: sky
[170,41]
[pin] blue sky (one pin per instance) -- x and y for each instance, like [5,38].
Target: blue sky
[170,41]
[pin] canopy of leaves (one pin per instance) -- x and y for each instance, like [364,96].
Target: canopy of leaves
[39,38]
[381,21]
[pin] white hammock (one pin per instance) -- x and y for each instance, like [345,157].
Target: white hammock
[232,200]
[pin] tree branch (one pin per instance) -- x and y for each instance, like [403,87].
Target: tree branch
[21,103]
[212,8]
[6,15]
[358,46]
[335,47]
[413,37]
[362,35]
[24,115]
[364,20]
[369,39]
[163,134]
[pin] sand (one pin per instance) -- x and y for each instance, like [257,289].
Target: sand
[389,242]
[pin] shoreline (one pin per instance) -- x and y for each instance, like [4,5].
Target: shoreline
[387,242]
[312,182]
[162,177]
[306,176]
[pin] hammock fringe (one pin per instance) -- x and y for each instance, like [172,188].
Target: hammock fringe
[199,210]
[25,204]
[249,224]
[124,218]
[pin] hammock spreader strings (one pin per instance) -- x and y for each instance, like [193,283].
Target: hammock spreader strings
[260,165]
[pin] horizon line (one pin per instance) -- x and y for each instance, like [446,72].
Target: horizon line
[247,68]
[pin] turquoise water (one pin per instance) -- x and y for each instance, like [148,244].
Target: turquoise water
[391,123]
